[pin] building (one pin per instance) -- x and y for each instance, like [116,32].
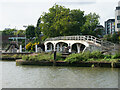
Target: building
[110,26]
[117,18]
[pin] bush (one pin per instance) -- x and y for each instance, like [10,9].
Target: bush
[116,56]
[75,58]
[97,55]
[28,46]
[108,57]
[25,57]
[39,57]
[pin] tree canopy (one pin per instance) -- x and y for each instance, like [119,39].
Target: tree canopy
[13,32]
[30,32]
[61,21]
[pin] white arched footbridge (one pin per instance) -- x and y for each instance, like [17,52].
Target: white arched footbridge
[77,44]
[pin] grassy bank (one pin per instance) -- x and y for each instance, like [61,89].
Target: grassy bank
[95,56]
[11,57]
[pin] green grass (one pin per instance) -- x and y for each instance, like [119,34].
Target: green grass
[12,56]
[95,56]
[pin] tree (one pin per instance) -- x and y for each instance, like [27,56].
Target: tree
[92,20]
[20,32]
[30,32]
[9,32]
[37,30]
[61,21]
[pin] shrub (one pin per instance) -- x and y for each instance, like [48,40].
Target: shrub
[75,58]
[107,57]
[116,56]
[25,57]
[28,46]
[15,56]
[97,55]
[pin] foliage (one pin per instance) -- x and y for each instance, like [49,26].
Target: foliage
[25,57]
[37,30]
[28,46]
[39,57]
[87,56]
[61,21]
[116,56]
[42,57]
[92,20]
[9,32]
[113,37]
[31,46]
[20,32]
[13,32]
[97,55]
[12,56]
[75,58]
[30,32]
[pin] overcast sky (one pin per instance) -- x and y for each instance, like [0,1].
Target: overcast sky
[16,13]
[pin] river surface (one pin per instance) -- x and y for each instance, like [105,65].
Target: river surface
[56,77]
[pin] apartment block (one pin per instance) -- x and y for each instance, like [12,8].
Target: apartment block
[110,26]
[117,18]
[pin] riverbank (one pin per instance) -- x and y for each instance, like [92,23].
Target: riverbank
[74,64]
[14,56]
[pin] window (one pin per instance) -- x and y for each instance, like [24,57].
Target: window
[118,25]
[118,17]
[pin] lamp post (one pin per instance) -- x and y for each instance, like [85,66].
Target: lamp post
[25,36]
[16,36]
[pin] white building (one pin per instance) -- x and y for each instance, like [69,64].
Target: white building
[117,18]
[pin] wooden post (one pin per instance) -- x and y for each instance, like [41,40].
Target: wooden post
[54,62]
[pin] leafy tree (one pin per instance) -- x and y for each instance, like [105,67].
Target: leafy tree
[61,21]
[9,32]
[92,20]
[30,32]
[20,32]
[113,37]
[37,30]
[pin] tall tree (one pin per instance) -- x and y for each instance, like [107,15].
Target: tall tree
[92,20]
[9,32]
[37,29]
[30,32]
[20,32]
[61,21]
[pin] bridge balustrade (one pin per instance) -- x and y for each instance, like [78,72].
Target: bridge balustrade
[87,38]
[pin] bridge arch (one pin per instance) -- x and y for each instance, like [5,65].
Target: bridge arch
[77,47]
[60,46]
[50,46]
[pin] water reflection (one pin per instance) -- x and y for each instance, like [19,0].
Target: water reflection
[57,77]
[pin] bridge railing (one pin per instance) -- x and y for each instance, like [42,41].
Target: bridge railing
[87,38]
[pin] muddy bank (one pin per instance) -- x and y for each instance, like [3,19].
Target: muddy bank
[75,64]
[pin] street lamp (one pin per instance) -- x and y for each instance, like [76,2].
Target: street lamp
[25,36]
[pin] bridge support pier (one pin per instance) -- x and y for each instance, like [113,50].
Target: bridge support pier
[51,47]
[45,47]
[54,45]
[78,47]
[20,48]
[58,47]
[61,46]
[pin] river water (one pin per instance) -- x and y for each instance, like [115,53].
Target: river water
[56,77]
